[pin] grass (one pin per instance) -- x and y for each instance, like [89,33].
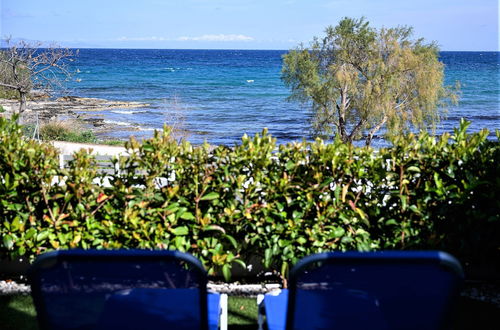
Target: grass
[119,143]
[66,131]
[18,312]
[242,313]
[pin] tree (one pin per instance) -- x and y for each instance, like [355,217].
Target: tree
[27,66]
[358,79]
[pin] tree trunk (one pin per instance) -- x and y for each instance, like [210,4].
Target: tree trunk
[22,102]
[341,110]
[22,106]
[356,129]
[369,139]
[374,130]
[343,131]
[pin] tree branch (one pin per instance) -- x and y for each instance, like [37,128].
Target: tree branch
[356,128]
[9,86]
[24,66]
[375,129]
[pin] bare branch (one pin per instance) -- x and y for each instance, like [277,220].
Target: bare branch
[8,85]
[26,66]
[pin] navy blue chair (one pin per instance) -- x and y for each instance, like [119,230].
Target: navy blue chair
[122,289]
[400,290]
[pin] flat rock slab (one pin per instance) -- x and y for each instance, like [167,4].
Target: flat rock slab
[67,105]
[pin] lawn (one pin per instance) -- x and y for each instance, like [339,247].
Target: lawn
[17,312]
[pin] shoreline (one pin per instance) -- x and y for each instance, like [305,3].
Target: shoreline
[73,108]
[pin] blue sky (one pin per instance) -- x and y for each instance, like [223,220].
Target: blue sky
[241,24]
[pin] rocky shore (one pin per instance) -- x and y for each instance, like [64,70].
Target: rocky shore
[68,107]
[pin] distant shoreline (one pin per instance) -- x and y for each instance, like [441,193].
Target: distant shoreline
[70,108]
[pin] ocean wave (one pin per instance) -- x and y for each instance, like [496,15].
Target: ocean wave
[175,69]
[472,117]
[118,123]
[127,112]
[131,125]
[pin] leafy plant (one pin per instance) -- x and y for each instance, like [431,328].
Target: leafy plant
[257,203]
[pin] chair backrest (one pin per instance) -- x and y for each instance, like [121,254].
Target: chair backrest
[374,290]
[119,289]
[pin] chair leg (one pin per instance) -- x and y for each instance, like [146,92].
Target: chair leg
[260,311]
[223,315]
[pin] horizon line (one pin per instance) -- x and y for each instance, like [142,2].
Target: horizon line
[236,49]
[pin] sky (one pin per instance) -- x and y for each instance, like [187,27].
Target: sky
[456,25]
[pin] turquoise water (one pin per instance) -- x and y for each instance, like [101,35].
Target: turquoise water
[219,95]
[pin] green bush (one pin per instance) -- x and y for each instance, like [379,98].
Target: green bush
[26,173]
[119,143]
[255,202]
[61,131]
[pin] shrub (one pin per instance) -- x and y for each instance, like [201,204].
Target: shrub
[26,173]
[66,131]
[114,142]
[256,201]
[10,94]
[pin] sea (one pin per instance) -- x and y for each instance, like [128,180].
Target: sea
[217,96]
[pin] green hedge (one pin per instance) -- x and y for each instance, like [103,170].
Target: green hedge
[255,202]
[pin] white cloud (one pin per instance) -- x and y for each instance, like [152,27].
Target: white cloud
[218,37]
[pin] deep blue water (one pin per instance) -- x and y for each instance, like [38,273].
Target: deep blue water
[219,95]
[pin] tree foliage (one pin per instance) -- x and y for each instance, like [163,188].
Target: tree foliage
[25,66]
[358,79]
